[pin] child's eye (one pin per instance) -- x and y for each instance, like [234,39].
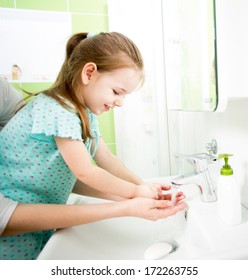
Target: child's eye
[115,92]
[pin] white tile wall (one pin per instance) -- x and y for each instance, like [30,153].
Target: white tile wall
[190,131]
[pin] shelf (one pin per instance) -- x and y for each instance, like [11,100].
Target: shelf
[25,81]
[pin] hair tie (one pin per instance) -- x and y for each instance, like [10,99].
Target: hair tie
[90,35]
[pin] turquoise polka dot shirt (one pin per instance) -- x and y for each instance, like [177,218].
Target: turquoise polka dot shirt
[32,169]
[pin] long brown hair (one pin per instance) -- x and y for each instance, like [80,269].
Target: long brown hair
[109,51]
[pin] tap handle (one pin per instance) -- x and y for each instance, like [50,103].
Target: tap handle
[212,148]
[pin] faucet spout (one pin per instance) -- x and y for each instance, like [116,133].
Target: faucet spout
[201,175]
[202,180]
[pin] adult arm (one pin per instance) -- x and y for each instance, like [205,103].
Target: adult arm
[37,217]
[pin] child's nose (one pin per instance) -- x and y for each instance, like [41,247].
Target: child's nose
[119,102]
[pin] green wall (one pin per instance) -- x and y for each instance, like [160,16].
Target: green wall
[87,15]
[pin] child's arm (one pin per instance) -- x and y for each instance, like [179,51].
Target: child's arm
[83,189]
[78,160]
[106,160]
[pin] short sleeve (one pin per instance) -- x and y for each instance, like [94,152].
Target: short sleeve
[10,100]
[7,207]
[50,118]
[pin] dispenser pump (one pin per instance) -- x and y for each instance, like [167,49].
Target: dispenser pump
[228,193]
[226,169]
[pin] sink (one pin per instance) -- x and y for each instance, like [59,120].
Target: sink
[211,237]
[119,238]
[198,232]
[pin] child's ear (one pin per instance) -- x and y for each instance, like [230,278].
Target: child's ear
[88,71]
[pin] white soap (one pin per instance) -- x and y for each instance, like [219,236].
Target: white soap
[157,251]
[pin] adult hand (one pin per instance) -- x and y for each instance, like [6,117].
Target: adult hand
[152,209]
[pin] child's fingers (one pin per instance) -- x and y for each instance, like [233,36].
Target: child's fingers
[165,187]
[180,196]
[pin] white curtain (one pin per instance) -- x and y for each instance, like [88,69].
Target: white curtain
[141,124]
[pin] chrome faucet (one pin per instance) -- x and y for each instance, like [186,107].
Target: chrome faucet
[201,174]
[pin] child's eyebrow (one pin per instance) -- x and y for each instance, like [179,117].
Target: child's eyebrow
[122,90]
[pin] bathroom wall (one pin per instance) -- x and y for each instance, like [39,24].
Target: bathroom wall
[87,15]
[190,131]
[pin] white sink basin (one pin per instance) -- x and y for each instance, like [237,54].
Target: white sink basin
[211,237]
[119,238]
[201,236]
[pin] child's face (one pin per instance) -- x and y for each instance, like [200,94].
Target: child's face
[108,89]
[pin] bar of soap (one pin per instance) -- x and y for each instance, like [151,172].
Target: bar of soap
[157,251]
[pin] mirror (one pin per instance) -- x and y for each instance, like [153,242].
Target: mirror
[40,36]
[190,55]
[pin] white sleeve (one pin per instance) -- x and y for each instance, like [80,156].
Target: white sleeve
[7,207]
[9,101]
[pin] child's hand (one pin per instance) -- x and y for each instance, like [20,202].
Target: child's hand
[168,196]
[151,209]
[149,191]
[155,191]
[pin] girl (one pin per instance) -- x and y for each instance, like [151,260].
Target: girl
[49,145]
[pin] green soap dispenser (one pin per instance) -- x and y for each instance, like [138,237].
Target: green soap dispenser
[226,169]
[228,194]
